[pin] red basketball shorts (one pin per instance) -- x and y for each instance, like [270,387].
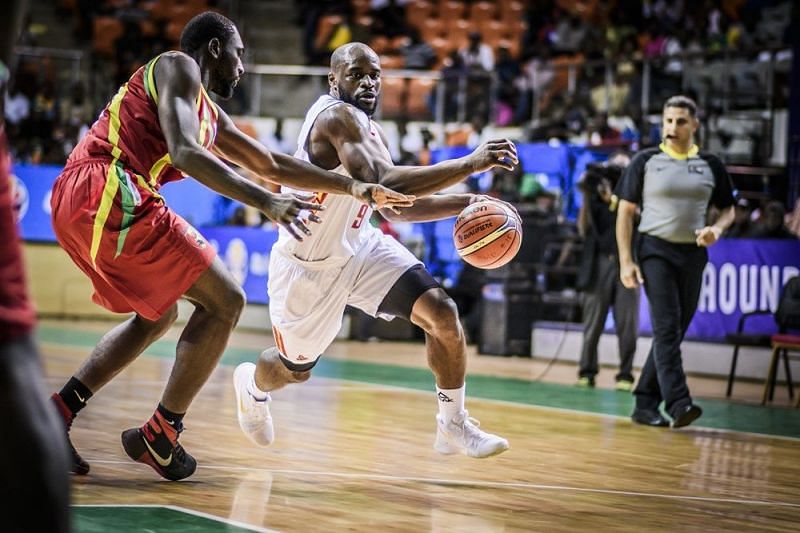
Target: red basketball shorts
[139,254]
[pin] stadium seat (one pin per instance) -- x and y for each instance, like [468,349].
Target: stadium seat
[380,44]
[418,12]
[511,10]
[431,29]
[542,158]
[480,11]
[457,32]
[452,10]
[105,31]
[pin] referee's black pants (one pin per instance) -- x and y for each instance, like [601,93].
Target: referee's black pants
[673,275]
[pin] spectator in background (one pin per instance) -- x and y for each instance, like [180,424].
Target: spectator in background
[599,274]
[417,53]
[742,224]
[771,224]
[477,56]
[389,17]
[507,70]
[452,72]
[569,35]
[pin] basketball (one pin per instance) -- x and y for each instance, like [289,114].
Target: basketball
[487,234]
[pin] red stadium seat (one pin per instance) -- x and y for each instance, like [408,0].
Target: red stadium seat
[512,10]
[418,12]
[457,32]
[431,29]
[106,30]
[380,44]
[452,10]
[480,11]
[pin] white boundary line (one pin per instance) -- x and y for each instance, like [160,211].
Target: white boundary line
[180,509]
[486,484]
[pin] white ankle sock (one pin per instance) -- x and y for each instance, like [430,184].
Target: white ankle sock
[451,401]
[254,391]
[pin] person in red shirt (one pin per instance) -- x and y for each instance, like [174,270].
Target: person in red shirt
[33,452]
[110,218]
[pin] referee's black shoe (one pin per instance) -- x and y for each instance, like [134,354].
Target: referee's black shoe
[649,417]
[685,415]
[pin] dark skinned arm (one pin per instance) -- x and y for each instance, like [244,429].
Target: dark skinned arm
[235,146]
[365,158]
[177,79]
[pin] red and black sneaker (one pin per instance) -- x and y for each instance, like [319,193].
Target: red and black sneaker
[78,465]
[156,444]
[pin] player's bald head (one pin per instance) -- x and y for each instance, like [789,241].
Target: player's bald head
[347,53]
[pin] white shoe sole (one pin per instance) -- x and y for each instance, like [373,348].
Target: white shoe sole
[238,377]
[445,448]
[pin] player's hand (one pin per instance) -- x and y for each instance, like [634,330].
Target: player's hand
[707,236]
[630,275]
[380,197]
[285,209]
[495,153]
[486,198]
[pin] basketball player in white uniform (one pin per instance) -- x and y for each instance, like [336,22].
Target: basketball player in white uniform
[349,262]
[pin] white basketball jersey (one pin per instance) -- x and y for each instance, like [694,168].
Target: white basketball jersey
[345,222]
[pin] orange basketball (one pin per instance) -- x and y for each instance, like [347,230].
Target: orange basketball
[487,234]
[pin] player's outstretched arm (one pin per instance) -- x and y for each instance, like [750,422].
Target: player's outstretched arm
[178,81]
[365,157]
[237,147]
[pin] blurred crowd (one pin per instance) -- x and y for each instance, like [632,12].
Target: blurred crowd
[530,67]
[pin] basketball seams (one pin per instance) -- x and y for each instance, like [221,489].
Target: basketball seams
[473,223]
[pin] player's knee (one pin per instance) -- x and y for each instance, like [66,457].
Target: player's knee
[233,303]
[442,318]
[301,377]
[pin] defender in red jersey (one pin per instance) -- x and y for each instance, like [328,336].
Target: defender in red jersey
[141,257]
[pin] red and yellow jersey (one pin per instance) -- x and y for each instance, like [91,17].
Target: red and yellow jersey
[129,135]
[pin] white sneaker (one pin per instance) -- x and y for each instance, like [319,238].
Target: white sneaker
[254,417]
[461,435]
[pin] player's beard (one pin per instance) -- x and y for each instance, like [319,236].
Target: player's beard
[225,89]
[350,99]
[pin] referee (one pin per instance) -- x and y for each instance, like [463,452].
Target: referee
[674,185]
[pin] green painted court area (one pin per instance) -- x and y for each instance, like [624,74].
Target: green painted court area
[717,414]
[102,519]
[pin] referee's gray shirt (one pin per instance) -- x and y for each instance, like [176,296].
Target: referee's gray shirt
[675,190]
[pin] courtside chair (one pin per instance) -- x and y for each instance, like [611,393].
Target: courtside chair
[788,317]
[761,340]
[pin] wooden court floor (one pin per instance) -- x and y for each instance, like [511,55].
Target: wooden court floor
[353,452]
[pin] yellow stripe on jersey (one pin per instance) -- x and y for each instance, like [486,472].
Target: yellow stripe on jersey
[157,167]
[112,179]
[150,79]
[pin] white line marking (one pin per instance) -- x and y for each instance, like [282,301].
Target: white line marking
[479,483]
[180,509]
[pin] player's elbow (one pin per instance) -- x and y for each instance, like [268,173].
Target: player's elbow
[183,156]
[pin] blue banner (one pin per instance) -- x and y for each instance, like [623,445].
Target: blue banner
[33,185]
[245,251]
[742,275]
